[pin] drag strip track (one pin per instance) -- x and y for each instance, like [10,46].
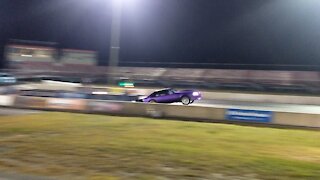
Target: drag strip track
[294,108]
[228,104]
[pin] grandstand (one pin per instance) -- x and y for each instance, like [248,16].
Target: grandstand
[43,60]
[32,57]
[78,57]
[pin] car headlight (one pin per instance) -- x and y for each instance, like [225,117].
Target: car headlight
[195,94]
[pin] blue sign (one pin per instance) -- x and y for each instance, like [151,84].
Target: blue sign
[249,115]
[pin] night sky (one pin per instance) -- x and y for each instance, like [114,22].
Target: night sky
[283,32]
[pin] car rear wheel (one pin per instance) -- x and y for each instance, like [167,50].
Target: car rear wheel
[152,101]
[185,100]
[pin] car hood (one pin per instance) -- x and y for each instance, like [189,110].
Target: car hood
[142,97]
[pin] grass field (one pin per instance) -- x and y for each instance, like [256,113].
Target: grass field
[76,146]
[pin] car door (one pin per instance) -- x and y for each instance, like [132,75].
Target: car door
[160,96]
[151,97]
[166,96]
[172,96]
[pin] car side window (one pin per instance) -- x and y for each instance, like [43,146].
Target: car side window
[170,92]
[161,93]
[165,92]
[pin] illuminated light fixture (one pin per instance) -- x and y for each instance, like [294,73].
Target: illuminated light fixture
[126,84]
[26,55]
[99,93]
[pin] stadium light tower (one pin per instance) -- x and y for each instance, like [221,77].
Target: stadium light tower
[115,34]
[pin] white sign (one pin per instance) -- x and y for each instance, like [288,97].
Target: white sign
[6,100]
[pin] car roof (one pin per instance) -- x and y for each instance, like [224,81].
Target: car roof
[163,89]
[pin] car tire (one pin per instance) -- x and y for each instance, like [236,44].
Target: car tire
[191,101]
[185,100]
[152,101]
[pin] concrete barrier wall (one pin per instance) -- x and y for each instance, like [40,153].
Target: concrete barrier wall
[134,109]
[172,111]
[30,102]
[297,119]
[151,110]
[195,112]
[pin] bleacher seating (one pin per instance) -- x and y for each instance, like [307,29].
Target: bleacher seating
[226,76]
[272,77]
[307,78]
[147,73]
[207,78]
[178,74]
[34,66]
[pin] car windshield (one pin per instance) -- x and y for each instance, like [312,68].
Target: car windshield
[4,75]
[153,94]
[173,90]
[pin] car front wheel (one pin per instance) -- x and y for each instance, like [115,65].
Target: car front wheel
[185,100]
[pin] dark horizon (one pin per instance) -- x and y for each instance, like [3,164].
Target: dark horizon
[180,33]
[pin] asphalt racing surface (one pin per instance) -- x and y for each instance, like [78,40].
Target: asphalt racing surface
[295,108]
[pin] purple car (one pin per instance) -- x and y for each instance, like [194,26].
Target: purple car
[171,96]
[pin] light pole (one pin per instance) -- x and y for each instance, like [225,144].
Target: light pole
[115,37]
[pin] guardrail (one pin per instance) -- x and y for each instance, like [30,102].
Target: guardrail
[162,111]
